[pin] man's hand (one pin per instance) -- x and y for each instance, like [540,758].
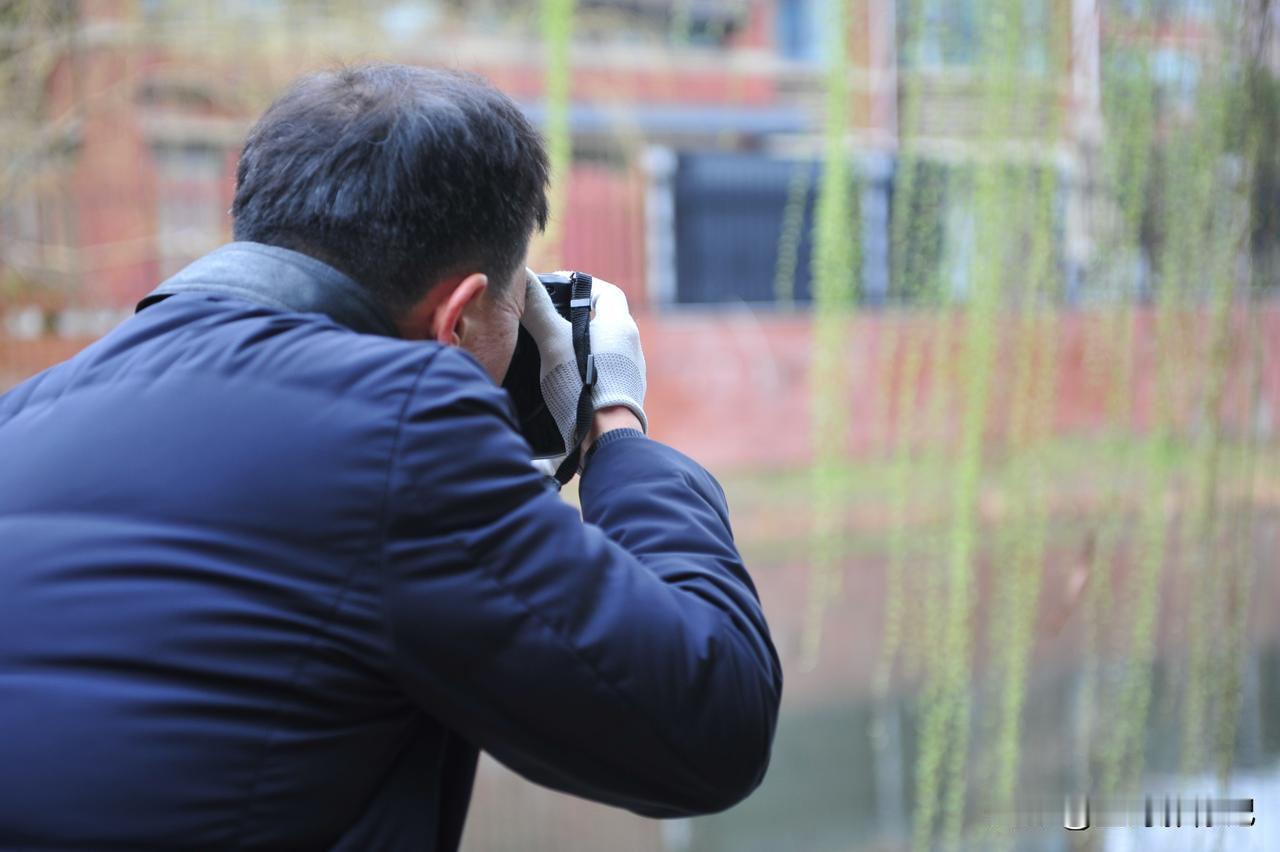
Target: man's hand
[618,396]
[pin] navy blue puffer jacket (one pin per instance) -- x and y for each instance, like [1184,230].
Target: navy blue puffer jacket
[269,580]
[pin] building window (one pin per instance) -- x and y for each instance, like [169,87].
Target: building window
[191,208]
[938,34]
[742,227]
[937,230]
[40,221]
[945,33]
[801,33]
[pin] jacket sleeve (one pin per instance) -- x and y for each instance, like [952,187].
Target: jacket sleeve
[625,659]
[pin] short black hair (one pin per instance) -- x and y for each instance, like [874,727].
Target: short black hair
[395,174]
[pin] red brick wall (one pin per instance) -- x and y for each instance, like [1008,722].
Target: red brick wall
[604,226]
[21,359]
[733,389]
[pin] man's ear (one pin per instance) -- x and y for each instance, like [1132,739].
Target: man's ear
[447,324]
[439,315]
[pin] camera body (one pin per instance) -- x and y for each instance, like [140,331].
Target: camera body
[523,379]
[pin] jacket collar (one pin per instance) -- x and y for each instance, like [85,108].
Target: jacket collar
[282,279]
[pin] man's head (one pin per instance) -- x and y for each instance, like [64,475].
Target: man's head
[422,185]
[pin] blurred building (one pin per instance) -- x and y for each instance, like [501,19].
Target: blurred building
[697,134]
[694,124]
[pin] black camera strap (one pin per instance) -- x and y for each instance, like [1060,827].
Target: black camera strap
[580,319]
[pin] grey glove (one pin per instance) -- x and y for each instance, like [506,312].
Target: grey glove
[615,346]
[558,377]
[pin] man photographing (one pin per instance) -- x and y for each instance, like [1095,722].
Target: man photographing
[275,563]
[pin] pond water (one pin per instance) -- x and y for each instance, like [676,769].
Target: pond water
[834,785]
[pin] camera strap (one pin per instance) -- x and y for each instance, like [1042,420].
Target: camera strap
[580,320]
